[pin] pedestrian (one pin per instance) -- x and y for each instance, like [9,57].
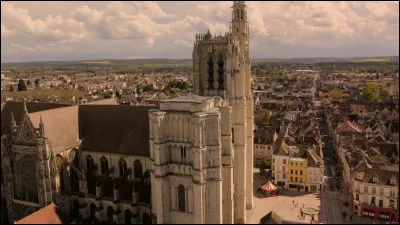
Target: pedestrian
[293,202]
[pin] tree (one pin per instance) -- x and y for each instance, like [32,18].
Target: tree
[37,82]
[383,93]
[371,92]
[11,88]
[118,95]
[28,82]
[148,87]
[139,88]
[81,88]
[51,85]
[21,85]
[267,118]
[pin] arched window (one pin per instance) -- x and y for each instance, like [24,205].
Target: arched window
[221,74]
[181,197]
[233,135]
[241,14]
[92,211]
[183,153]
[110,212]
[74,179]
[89,163]
[128,216]
[138,170]
[146,218]
[76,157]
[75,211]
[62,178]
[211,73]
[104,165]
[122,167]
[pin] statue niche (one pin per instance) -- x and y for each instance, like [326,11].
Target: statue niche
[210,73]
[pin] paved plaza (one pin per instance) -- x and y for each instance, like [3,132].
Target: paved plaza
[327,202]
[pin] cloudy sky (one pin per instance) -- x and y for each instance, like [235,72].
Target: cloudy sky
[72,30]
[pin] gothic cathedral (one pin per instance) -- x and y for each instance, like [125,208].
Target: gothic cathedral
[209,134]
[188,160]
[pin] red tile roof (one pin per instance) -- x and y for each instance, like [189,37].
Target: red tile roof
[50,214]
[348,126]
[358,108]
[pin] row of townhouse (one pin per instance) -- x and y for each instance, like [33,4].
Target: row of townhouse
[297,167]
[370,167]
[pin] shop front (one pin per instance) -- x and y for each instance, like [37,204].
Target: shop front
[385,214]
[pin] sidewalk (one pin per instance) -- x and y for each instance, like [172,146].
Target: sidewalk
[344,197]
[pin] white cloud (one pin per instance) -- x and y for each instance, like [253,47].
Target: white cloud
[183,43]
[160,29]
[23,48]
[52,28]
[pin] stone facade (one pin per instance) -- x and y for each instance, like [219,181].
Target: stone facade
[221,67]
[192,157]
[31,179]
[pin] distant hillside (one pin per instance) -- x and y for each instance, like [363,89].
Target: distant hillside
[97,63]
[116,63]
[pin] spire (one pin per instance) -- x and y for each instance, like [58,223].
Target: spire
[208,35]
[12,118]
[24,105]
[41,127]
[13,123]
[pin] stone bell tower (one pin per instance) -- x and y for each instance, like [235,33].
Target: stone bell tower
[221,67]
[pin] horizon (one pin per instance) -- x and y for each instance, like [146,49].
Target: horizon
[90,60]
[79,31]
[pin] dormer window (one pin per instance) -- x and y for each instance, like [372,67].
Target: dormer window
[375,179]
[359,176]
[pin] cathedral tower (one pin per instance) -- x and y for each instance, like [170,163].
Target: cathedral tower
[221,66]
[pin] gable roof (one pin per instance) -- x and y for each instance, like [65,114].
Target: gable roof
[313,160]
[348,126]
[50,214]
[384,176]
[115,129]
[358,108]
[60,125]
[17,108]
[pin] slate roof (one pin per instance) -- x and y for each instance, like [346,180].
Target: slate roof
[60,125]
[50,214]
[187,98]
[281,148]
[313,159]
[17,109]
[115,129]
[384,176]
